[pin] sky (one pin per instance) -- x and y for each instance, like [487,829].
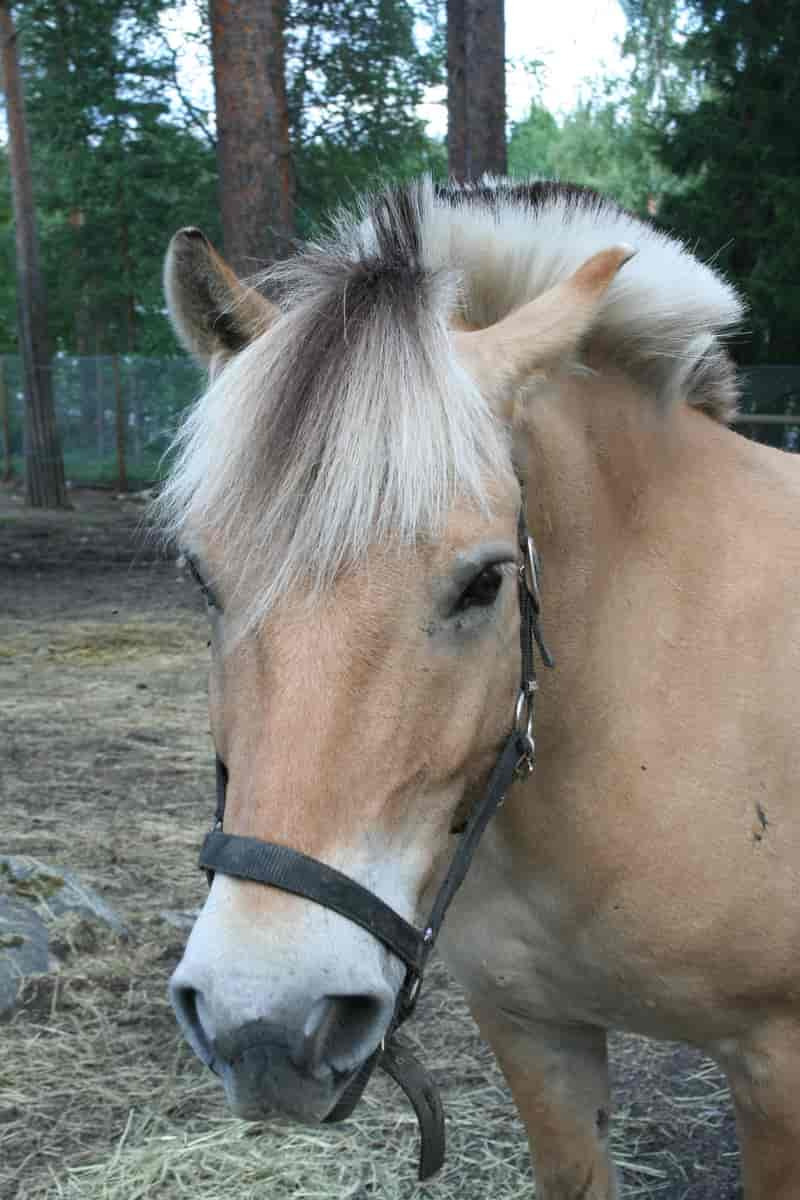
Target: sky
[576,40]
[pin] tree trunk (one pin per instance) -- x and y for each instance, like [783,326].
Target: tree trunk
[44,466]
[86,373]
[129,317]
[476,89]
[99,407]
[456,90]
[5,425]
[253,154]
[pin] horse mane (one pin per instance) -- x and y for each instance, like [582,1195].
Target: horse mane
[350,422]
[663,316]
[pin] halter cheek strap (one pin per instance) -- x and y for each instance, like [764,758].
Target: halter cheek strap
[287,869]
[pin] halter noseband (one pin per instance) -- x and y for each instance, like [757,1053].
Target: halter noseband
[291,871]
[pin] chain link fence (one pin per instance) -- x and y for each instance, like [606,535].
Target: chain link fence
[116,414]
[770,405]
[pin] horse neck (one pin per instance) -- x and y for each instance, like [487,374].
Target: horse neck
[613,477]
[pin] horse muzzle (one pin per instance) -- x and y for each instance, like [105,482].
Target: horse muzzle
[262,1075]
[297,1067]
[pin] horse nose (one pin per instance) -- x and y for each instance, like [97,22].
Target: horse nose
[302,1072]
[187,1003]
[340,1032]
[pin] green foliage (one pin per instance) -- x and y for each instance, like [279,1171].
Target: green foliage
[722,84]
[737,151]
[706,136]
[600,145]
[659,78]
[123,157]
[357,70]
[114,172]
[705,132]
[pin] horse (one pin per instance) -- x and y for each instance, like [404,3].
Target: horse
[381,407]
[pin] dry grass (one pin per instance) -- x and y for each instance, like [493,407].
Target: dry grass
[98,643]
[106,1102]
[101,1099]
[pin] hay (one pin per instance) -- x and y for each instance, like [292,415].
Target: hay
[101,1100]
[101,643]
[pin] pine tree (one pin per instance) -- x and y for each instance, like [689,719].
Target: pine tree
[604,143]
[357,71]
[476,106]
[255,169]
[122,157]
[117,166]
[736,150]
[44,468]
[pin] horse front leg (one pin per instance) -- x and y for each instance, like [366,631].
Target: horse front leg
[558,1075]
[763,1070]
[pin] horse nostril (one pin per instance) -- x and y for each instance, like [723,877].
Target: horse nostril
[340,1032]
[185,1001]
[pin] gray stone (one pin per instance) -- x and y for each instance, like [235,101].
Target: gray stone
[179,920]
[23,949]
[53,891]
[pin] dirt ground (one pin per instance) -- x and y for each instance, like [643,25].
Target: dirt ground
[106,768]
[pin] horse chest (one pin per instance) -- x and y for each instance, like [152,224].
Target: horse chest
[536,947]
[511,941]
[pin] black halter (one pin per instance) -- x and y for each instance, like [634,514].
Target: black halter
[282,867]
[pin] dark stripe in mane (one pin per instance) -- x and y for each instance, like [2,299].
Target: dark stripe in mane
[361,290]
[533,195]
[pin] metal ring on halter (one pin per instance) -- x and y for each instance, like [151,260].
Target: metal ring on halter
[523,722]
[412,994]
[530,571]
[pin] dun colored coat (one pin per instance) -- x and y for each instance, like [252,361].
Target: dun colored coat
[348,487]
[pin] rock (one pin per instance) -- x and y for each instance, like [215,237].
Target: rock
[74,933]
[23,949]
[53,891]
[179,920]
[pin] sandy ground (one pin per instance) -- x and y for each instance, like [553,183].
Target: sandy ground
[106,768]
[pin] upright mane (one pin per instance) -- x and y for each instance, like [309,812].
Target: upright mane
[663,316]
[351,422]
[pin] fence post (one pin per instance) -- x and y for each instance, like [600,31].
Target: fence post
[135,401]
[119,410]
[100,416]
[5,423]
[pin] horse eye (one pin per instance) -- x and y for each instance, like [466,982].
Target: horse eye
[482,591]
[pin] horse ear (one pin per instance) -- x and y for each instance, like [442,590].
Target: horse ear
[212,312]
[540,334]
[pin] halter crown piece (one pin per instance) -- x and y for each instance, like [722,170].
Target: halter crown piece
[281,867]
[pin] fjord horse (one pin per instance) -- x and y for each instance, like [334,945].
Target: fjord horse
[348,489]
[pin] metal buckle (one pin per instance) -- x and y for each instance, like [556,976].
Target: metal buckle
[411,993]
[523,726]
[530,571]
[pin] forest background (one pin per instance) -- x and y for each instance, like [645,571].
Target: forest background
[702,135]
